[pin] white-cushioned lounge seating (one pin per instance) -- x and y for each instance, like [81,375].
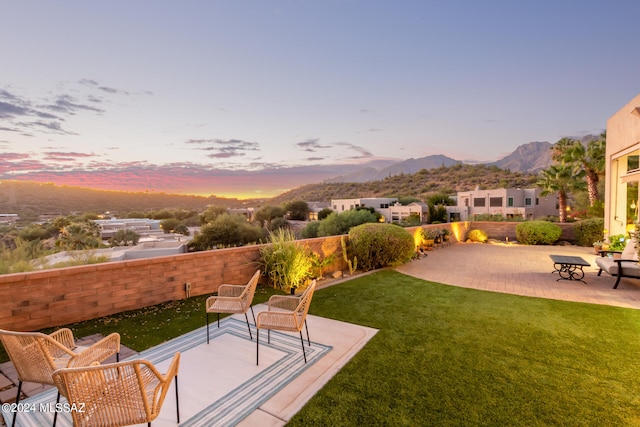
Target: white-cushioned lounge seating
[625,266]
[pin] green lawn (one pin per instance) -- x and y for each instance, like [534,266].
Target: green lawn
[450,356]
[454,356]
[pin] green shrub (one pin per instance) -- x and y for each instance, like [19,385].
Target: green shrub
[538,233]
[477,236]
[224,231]
[378,245]
[340,223]
[588,231]
[310,230]
[286,262]
[617,242]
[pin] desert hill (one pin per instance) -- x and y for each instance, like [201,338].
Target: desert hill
[29,199]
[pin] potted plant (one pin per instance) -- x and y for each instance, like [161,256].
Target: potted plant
[597,246]
[446,234]
[428,238]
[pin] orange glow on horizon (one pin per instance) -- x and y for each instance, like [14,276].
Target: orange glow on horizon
[233,189]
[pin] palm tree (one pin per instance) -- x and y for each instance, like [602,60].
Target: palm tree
[560,179]
[80,235]
[589,160]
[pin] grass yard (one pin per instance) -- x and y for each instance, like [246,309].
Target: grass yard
[453,356]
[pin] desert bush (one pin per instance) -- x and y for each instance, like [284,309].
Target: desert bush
[538,233]
[378,245]
[588,231]
[477,236]
[310,230]
[340,223]
[286,262]
[226,230]
[124,238]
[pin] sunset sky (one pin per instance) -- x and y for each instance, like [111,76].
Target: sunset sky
[252,98]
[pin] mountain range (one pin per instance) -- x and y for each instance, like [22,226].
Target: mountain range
[528,158]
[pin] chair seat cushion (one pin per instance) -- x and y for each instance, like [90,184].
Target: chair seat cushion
[631,269]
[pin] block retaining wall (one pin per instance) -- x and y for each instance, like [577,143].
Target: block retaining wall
[503,230]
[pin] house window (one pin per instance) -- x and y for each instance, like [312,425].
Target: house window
[384,205]
[495,202]
[479,202]
[527,201]
[537,201]
[510,201]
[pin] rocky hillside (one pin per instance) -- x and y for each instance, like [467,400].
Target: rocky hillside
[424,183]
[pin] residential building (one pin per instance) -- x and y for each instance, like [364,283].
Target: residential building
[8,218]
[314,209]
[399,213]
[622,169]
[142,226]
[388,207]
[510,203]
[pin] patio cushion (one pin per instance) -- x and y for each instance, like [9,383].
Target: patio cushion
[630,251]
[609,265]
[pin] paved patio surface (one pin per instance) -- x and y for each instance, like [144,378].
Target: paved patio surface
[522,270]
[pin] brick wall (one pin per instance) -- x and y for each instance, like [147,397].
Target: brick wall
[40,299]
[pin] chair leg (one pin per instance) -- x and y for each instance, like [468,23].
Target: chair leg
[257,345]
[177,400]
[15,414]
[55,414]
[253,314]
[218,320]
[117,357]
[617,281]
[599,272]
[269,336]
[306,325]
[207,327]
[248,327]
[303,352]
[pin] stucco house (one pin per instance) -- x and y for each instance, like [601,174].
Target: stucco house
[510,203]
[388,207]
[622,169]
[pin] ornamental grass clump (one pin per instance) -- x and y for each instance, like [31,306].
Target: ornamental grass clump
[477,236]
[538,233]
[380,245]
[287,263]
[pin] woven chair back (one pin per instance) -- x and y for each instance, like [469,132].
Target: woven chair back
[116,394]
[30,355]
[305,302]
[250,290]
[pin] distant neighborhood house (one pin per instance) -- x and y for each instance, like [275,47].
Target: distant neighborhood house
[388,207]
[510,203]
[9,218]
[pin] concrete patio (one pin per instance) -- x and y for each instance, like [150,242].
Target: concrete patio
[522,270]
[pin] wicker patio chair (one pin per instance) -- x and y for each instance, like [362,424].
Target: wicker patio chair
[36,355]
[285,313]
[117,394]
[233,299]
